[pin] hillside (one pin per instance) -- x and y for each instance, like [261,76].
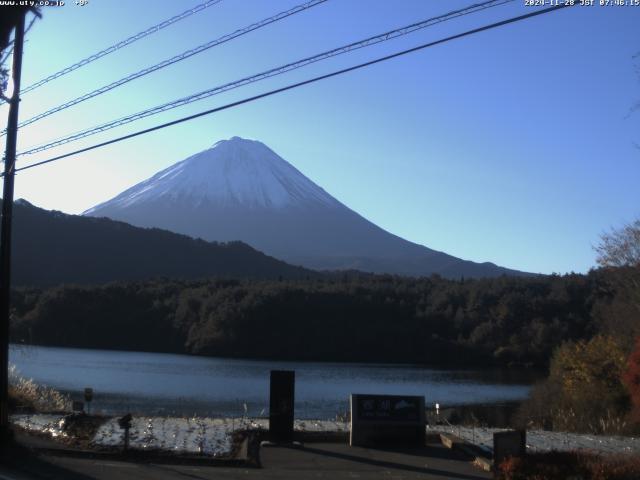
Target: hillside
[51,247]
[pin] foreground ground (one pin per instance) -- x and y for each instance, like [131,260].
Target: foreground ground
[214,436]
[90,447]
[311,461]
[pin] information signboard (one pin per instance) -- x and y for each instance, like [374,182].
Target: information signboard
[387,419]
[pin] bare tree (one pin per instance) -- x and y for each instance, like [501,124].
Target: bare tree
[619,252]
[620,247]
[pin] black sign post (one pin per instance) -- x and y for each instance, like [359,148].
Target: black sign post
[88,397]
[511,443]
[281,400]
[125,424]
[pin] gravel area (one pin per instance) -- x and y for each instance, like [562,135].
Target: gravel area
[541,440]
[196,435]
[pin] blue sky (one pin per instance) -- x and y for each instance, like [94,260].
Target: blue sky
[514,146]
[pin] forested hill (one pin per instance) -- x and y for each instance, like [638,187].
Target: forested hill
[501,321]
[51,248]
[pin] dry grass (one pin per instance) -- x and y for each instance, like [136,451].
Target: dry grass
[570,465]
[25,394]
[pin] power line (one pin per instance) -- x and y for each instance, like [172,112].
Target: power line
[177,58]
[299,84]
[123,43]
[383,37]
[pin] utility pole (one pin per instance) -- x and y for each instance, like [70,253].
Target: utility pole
[5,233]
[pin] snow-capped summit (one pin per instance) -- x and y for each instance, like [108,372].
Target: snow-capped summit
[241,190]
[232,172]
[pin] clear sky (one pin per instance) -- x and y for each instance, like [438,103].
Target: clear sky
[516,145]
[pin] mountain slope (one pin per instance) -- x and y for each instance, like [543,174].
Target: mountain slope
[51,247]
[241,190]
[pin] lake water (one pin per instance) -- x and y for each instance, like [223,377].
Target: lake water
[155,383]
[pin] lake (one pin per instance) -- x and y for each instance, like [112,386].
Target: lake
[166,384]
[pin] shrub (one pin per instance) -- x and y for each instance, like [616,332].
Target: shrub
[631,379]
[570,465]
[584,391]
[26,393]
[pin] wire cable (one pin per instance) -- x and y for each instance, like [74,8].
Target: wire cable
[177,58]
[299,84]
[383,37]
[121,44]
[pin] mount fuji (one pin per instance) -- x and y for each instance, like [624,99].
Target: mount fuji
[241,190]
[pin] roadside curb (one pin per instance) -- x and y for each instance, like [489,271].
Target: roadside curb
[243,457]
[479,456]
[321,437]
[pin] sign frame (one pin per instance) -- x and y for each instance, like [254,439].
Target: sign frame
[387,419]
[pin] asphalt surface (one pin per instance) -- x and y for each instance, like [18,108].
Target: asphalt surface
[311,461]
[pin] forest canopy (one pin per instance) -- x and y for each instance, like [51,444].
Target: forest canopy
[346,317]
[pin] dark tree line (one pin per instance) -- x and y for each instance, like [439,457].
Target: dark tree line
[350,317]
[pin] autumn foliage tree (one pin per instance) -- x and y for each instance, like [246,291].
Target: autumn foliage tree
[596,365]
[584,391]
[631,379]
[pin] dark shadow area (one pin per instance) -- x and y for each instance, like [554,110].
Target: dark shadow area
[431,451]
[178,473]
[394,465]
[25,461]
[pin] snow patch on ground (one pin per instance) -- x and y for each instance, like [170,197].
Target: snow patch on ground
[196,435]
[214,436]
[49,424]
[208,436]
[542,440]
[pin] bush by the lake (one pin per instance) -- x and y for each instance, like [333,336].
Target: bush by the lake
[584,391]
[25,394]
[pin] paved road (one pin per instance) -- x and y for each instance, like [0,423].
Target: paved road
[332,460]
[313,461]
